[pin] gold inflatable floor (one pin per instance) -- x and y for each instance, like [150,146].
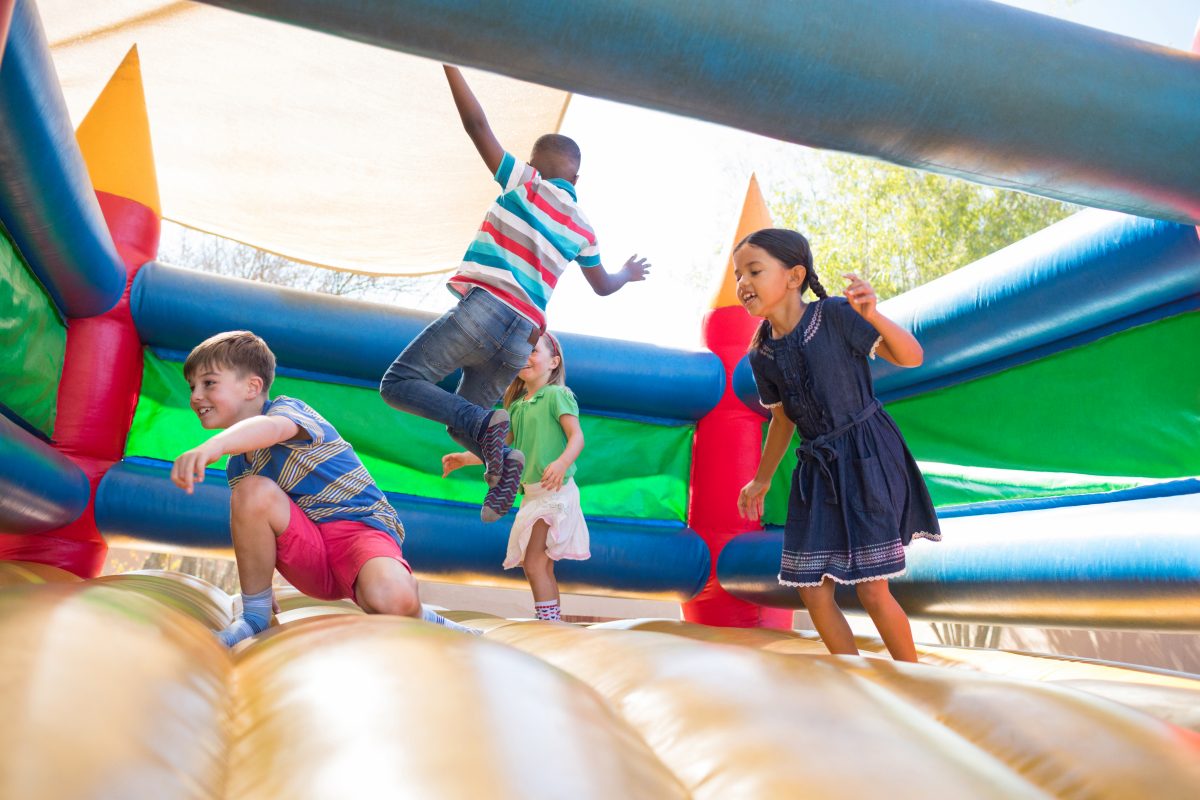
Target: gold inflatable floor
[116,688]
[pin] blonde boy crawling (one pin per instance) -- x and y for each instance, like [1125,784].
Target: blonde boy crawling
[302,502]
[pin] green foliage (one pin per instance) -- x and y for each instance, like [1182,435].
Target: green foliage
[899,227]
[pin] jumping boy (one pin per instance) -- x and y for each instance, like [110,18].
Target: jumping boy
[302,502]
[531,233]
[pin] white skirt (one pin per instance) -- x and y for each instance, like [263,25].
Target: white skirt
[567,536]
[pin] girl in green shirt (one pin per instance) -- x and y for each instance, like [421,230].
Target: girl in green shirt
[545,427]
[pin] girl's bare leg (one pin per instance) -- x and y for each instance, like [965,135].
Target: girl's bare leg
[829,620]
[539,567]
[889,619]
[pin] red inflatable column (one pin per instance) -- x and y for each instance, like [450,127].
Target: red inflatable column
[102,371]
[726,449]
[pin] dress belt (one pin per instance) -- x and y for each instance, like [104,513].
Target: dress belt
[820,452]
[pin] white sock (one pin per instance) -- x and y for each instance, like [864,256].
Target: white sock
[429,615]
[547,610]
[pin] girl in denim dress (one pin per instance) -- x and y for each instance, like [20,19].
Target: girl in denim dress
[857,497]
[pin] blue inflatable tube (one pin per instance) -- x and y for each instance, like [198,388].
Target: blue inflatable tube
[47,202]
[1124,564]
[1007,308]
[176,309]
[40,489]
[979,90]
[443,541]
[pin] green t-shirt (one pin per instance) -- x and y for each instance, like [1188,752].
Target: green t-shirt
[537,432]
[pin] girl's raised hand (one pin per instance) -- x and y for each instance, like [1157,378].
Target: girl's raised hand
[750,499]
[552,476]
[453,461]
[861,295]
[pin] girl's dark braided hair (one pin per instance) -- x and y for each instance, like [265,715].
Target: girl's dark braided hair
[791,248]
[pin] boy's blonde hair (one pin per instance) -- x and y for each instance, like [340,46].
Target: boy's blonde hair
[558,376]
[242,351]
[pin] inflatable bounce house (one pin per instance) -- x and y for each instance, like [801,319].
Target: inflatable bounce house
[1056,417]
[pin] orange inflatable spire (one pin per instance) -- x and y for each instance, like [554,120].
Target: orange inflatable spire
[755,216]
[114,138]
[727,445]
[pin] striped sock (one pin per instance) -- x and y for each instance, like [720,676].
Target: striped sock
[547,610]
[429,615]
[255,617]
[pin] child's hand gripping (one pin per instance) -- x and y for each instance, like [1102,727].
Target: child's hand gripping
[635,269]
[188,469]
[861,296]
[750,499]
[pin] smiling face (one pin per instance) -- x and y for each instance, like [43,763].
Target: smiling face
[764,283]
[540,367]
[221,397]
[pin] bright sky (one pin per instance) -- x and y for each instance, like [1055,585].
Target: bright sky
[670,189]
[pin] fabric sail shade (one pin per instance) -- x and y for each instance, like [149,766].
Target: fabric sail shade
[310,146]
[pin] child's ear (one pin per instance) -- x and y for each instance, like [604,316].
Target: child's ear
[254,386]
[796,276]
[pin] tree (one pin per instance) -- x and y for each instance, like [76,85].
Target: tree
[187,247]
[899,227]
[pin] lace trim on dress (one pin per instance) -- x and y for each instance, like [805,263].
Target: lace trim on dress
[933,537]
[875,347]
[842,581]
[814,324]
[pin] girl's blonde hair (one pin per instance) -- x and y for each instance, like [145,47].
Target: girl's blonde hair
[558,376]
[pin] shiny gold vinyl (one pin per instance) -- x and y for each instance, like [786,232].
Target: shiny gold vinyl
[188,594]
[108,693]
[15,573]
[1169,697]
[734,721]
[362,706]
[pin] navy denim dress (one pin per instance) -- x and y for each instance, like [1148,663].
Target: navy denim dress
[857,495]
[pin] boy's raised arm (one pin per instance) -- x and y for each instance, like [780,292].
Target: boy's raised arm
[474,120]
[249,434]
[605,283]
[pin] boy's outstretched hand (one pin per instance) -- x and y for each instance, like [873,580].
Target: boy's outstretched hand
[188,469]
[635,269]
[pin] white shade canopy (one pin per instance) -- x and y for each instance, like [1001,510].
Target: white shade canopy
[317,148]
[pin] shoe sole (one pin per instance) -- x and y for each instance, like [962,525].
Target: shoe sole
[494,468]
[491,514]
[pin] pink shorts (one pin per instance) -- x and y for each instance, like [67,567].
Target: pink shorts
[322,560]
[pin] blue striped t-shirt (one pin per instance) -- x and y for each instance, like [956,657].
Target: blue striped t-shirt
[321,473]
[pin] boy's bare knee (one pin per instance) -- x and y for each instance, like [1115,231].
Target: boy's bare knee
[390,598]
[256,493]
[384,587]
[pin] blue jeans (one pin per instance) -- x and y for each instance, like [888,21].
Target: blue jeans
[488,340]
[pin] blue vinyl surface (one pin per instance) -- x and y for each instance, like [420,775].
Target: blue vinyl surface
[47,202]
[442,540]
[1091,275]
[40,489]
[176,309]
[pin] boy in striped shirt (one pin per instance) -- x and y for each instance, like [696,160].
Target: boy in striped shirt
[302,501]
[531,233]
